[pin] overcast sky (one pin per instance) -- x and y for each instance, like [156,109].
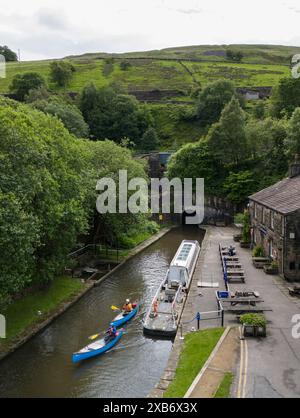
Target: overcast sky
[56,28]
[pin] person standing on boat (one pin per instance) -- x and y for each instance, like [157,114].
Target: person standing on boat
[110,333]
[127,307]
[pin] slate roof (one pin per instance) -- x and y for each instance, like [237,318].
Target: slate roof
[283,197]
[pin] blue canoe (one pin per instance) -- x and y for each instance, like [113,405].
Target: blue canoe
[122,319]
[96,348]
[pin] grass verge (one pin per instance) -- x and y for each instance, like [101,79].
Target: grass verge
[196,350]
[23,313]
[225,385]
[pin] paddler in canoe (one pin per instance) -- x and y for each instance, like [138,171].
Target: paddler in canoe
[110,334]
[127,307]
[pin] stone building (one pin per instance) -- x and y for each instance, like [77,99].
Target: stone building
[275,221]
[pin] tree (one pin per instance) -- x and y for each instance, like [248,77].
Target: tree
[234,55]
[212,100]
[238,186]
[22,83]
[45,194]
[8,54]
[227,138]
[267,148]
[197,161]
[69,114]
[114,116]
[150,140]
[292,141]
[61,72]
[285,97]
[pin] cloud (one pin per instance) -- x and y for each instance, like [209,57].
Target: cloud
[52,19]
[189,11]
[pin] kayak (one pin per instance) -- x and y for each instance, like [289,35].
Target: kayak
[121,319]
[95,349]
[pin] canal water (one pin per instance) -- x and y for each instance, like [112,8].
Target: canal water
[43,367]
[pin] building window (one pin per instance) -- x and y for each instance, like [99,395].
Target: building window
[292,265]
[263,215]
[271,248]
[272,220]
[255,210]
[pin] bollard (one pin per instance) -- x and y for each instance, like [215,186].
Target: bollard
[181,336]
[222,317]
[198,317]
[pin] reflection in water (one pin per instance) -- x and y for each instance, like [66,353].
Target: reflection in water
[43,367]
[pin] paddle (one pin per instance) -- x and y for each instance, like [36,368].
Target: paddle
[92,337]
[115,308]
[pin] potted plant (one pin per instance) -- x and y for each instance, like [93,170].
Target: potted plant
[254,325]
[258,251]
[271,268]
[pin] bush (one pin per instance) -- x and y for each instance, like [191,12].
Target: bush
[253,319]
[239,218]
[61,72]
[22,84]
[258,251]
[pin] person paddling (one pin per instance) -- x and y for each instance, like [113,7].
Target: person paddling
[127,307]
[110,334]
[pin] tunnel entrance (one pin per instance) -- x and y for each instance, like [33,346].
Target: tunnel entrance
[187,214]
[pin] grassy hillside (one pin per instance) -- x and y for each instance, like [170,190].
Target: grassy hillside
[262,54]
[261,66]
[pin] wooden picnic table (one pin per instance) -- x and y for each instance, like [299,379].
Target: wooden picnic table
[233,264]
[233,271]
[242,301]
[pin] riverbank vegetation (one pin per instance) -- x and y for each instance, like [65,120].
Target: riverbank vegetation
[196,350]
[47,192]
[23,314]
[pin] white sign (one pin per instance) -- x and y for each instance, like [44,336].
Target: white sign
[2,326]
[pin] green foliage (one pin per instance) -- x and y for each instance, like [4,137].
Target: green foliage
[23,83]
[259,110]
[225,385]
[113,116]
[197,161]
[238,186]
[253,319]
[246,235]
[212,100]
[292,141]
[61,73]
[196,350]
[8,54]
[44,196]
[227,138]
[266,141]
[238,218]
[286,97]
[125,65]
[47,194]
[23,313]
[150,141]
[69,114]
[258,251]
[41,93]
[234,55]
